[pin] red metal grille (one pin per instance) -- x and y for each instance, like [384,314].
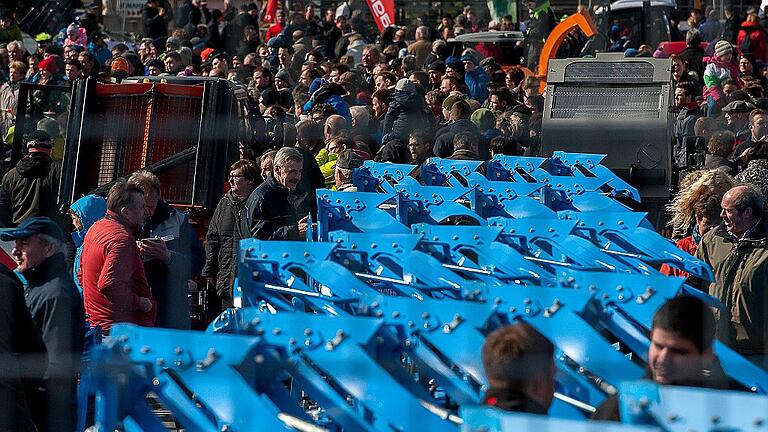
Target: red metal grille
[141,129]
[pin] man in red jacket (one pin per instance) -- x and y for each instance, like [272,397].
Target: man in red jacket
[115,287]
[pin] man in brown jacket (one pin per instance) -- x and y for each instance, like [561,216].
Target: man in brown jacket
[737,252]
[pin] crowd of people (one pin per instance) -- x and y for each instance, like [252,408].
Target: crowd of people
[326,93]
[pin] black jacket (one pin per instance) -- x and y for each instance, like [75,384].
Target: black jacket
[444,141]
[271,213]
[154,24]
[18,336]
[221,242]
[169,280]
[57,310]
[393,151]
[405,114]
[694,57]
[712,376]
[512,400]
[29,189]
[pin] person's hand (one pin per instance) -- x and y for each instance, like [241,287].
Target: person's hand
[745,155]
[145,304]
[303,225]
[154,248]
[162,11]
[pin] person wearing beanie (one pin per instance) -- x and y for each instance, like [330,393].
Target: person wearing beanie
[720,67]
[29,189]
[120,67]
[51,127]
[475,78]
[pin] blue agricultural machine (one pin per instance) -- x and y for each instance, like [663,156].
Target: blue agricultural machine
[376,322]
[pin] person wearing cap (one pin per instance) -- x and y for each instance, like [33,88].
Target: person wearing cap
[29,189]
[345,163]
[737,115]
[719,69]
[50,126]
[475,78]
[435,71]
[57,310]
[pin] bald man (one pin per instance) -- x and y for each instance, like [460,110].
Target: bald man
[737,252]
[334,125]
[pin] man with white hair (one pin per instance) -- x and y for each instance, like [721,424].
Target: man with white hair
[271,208]
[422,47]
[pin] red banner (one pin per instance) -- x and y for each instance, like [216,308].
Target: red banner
[383,13]
[269,14]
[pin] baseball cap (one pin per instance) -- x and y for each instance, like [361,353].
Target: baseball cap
[32,226]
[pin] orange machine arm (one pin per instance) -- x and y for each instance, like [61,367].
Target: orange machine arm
[580,20]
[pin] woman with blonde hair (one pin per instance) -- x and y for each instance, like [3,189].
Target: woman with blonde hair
[696,209]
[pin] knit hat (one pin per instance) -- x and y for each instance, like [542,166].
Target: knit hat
[49,65]
[406,85]
[73,29]
[284,75]
[468,58]
[450,100]
[484,119]
[723,48]
[38,139]
[49,126]
[436,65]
[120,64]
[348,159]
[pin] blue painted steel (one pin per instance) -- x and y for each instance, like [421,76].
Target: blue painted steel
[484,419]
[377,322]
[685,408]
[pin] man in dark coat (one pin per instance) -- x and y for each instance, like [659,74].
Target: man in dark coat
[29,189]
[19,338]
[405,112]
[689,112]
[693,54]
[171,251]
[222,241]
[271,208]
[680,353]
[57,310]
[153,19]
[460,122]
[542,22]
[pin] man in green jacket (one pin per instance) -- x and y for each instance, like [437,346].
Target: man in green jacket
[737,252]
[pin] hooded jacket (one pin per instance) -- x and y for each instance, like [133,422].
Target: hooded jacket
[29,189]
[89,209]
[405,114]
